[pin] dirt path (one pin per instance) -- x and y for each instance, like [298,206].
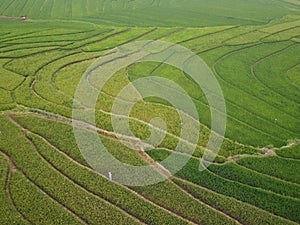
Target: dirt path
[9,18]
[70,179]
[15,18]
[89,169]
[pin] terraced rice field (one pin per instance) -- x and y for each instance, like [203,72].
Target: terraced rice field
[44,178]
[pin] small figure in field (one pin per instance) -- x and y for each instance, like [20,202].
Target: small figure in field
[110,176]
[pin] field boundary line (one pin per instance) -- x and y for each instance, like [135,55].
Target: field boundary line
[239,120]
[25,131]
[267,57]
[243,90]
[24,35]
[54,75]
[8,39]
[278,32]
[204,35]
[275,178]
[287,74]
[37,185]
[58,171]
[254,187]
[221,212]
[242,122]
[163,170]
[230,198]
[11,168]
[278,178]
[114,34]
[91,192]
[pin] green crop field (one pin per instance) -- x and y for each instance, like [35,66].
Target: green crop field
[251,47]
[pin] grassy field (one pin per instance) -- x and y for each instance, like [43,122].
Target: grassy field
[192,13]
[252,47]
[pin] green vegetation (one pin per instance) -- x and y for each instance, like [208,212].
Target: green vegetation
[252,47]
[234,172]
[292,75]
[60,188]
[5,97]
[292,152]
[33,203]
[8,213]
[100,186]
[152,13]
[286,169]
[279,205]
[167,194]
[243,212]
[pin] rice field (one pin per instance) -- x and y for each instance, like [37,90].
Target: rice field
[254,178]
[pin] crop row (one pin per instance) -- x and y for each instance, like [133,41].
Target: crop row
[292,75]
[24,96]
[243,76]
[168,195]
[292,152]
[214,40]
[151,192]
[286,169]
[28,66]
[39,36]
[274,203]
[123,38]
[141,70]
[27,52]
[240,174]
[276,28]
[236,110]
[8,212]
[191,87]
[44,82]
[59,37]
[237,149]
[46,92]
[247,38]
[35,205]
[242,73]
[18,47]
[284,35]
[106,34]
[193,33]
[14,8]
[100,186]
[243,212]
[246,135]
[145,13]
[276,78]
[60,188]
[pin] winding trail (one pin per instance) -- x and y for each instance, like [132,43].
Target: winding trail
[26,131]
[163,170]
[91,170]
